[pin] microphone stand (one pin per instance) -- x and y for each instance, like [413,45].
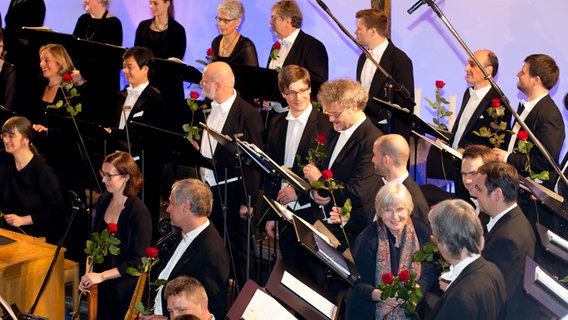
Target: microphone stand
[390,82]
[78,205]
[488,77]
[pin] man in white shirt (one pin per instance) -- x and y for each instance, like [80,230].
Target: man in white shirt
[509,237]
[477,288]
[371,32]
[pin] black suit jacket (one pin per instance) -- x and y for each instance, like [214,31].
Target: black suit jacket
[421,207]
[28,13]
[150,103]
[354,170]
[399,66]
[317,123]
[480,118]
[310,53]
[206,260]
[507,244]
[242,118]
[479,292]
[545,121]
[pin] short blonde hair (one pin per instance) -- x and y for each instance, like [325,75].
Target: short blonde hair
[61,57]
[393,194]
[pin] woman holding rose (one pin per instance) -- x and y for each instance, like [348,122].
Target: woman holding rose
[386,246]
[121,206]
[230,46]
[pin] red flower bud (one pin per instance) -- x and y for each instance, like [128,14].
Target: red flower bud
[276,45]
[151,252]
[112,228]
[327,174]
[210,52]
[321,138]
[523,135]
[404,276]
[387,278]
[194,95]
[440,84]
[67,78]
[496,102]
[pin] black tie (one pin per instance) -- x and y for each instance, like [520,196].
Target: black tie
[521,108]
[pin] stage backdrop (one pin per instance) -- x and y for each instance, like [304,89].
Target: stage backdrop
[512,29]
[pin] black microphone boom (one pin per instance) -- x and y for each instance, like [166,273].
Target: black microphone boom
[417,5]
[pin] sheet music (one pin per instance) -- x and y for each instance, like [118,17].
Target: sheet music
[547,191]
[440,145]
[545,280]
[309,295]
[262,306]
[557,240]
[333,256]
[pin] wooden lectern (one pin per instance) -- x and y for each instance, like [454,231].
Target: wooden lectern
[24,261]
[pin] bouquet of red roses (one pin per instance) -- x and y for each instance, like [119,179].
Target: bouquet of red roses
[402,287]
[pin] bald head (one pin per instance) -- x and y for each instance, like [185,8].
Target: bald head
[396,147]
[490,63]
[218,81]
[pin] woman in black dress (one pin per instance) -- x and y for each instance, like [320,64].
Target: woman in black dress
[30,198]
[166,38]
[121,206]
[231,46]
[103,74]
[7,79]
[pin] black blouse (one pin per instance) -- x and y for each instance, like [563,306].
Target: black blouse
[243,53]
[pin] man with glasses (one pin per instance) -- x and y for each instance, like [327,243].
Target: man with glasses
[349,156]
[291,135]
[295,46]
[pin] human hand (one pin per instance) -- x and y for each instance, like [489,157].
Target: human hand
[89,280]
[270,229]
[40,128]
[15,220]
[499,155]
[336,217]
[322,201]
[286,195]
[311,172]
[244,213]
[78,79]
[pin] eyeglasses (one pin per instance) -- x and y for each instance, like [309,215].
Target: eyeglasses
[398,211]
[334,114]
[225,21]
[298,93]
[108,176]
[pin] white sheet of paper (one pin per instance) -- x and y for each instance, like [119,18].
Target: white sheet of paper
[309,295]
[262,306]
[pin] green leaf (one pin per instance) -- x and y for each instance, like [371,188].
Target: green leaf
[133,272]
[139,306]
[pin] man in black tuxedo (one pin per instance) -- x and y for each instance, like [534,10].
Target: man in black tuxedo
[391,153]
[297,130]
[476,288]
[231,115]
[200,252]
[509,237]
[141,102]
[541,115]
[371,32]
[296,47]
[473,115]
[349,157]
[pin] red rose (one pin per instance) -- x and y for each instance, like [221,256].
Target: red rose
[67,78]
[112,228]
[321,138]
[387,278]
[194,95]
[496,102]
[326,174]
[151,252]
[523,135]
[276,45]
[210,52]
[440,84]
[404,276]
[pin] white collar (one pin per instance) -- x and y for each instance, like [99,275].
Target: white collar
[529,105]
[493,220]
[139,88]
[456,270]
[479,93]
[303,117]
[399,179]
[226,105]
[289,40]
[349,131]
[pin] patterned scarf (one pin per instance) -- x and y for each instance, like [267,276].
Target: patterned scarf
[408,245]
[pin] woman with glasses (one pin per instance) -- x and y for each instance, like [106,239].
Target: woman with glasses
[30,198]
[121,206]
[165,37]
[387,246]
[230,46]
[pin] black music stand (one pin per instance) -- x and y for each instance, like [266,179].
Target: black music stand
[181,150]
[253,82]
[294,300]
[553,242]
[176,69]
[330,256]
[540,285]
[549,198]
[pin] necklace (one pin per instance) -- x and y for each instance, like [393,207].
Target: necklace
[228,45]
[163,27]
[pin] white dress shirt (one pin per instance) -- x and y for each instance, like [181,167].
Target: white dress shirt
[342,140]
[369,68]
[475,97]
[285,46]
[130,101]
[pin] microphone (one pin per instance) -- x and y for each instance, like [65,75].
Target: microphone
[76,201]
[416,6]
